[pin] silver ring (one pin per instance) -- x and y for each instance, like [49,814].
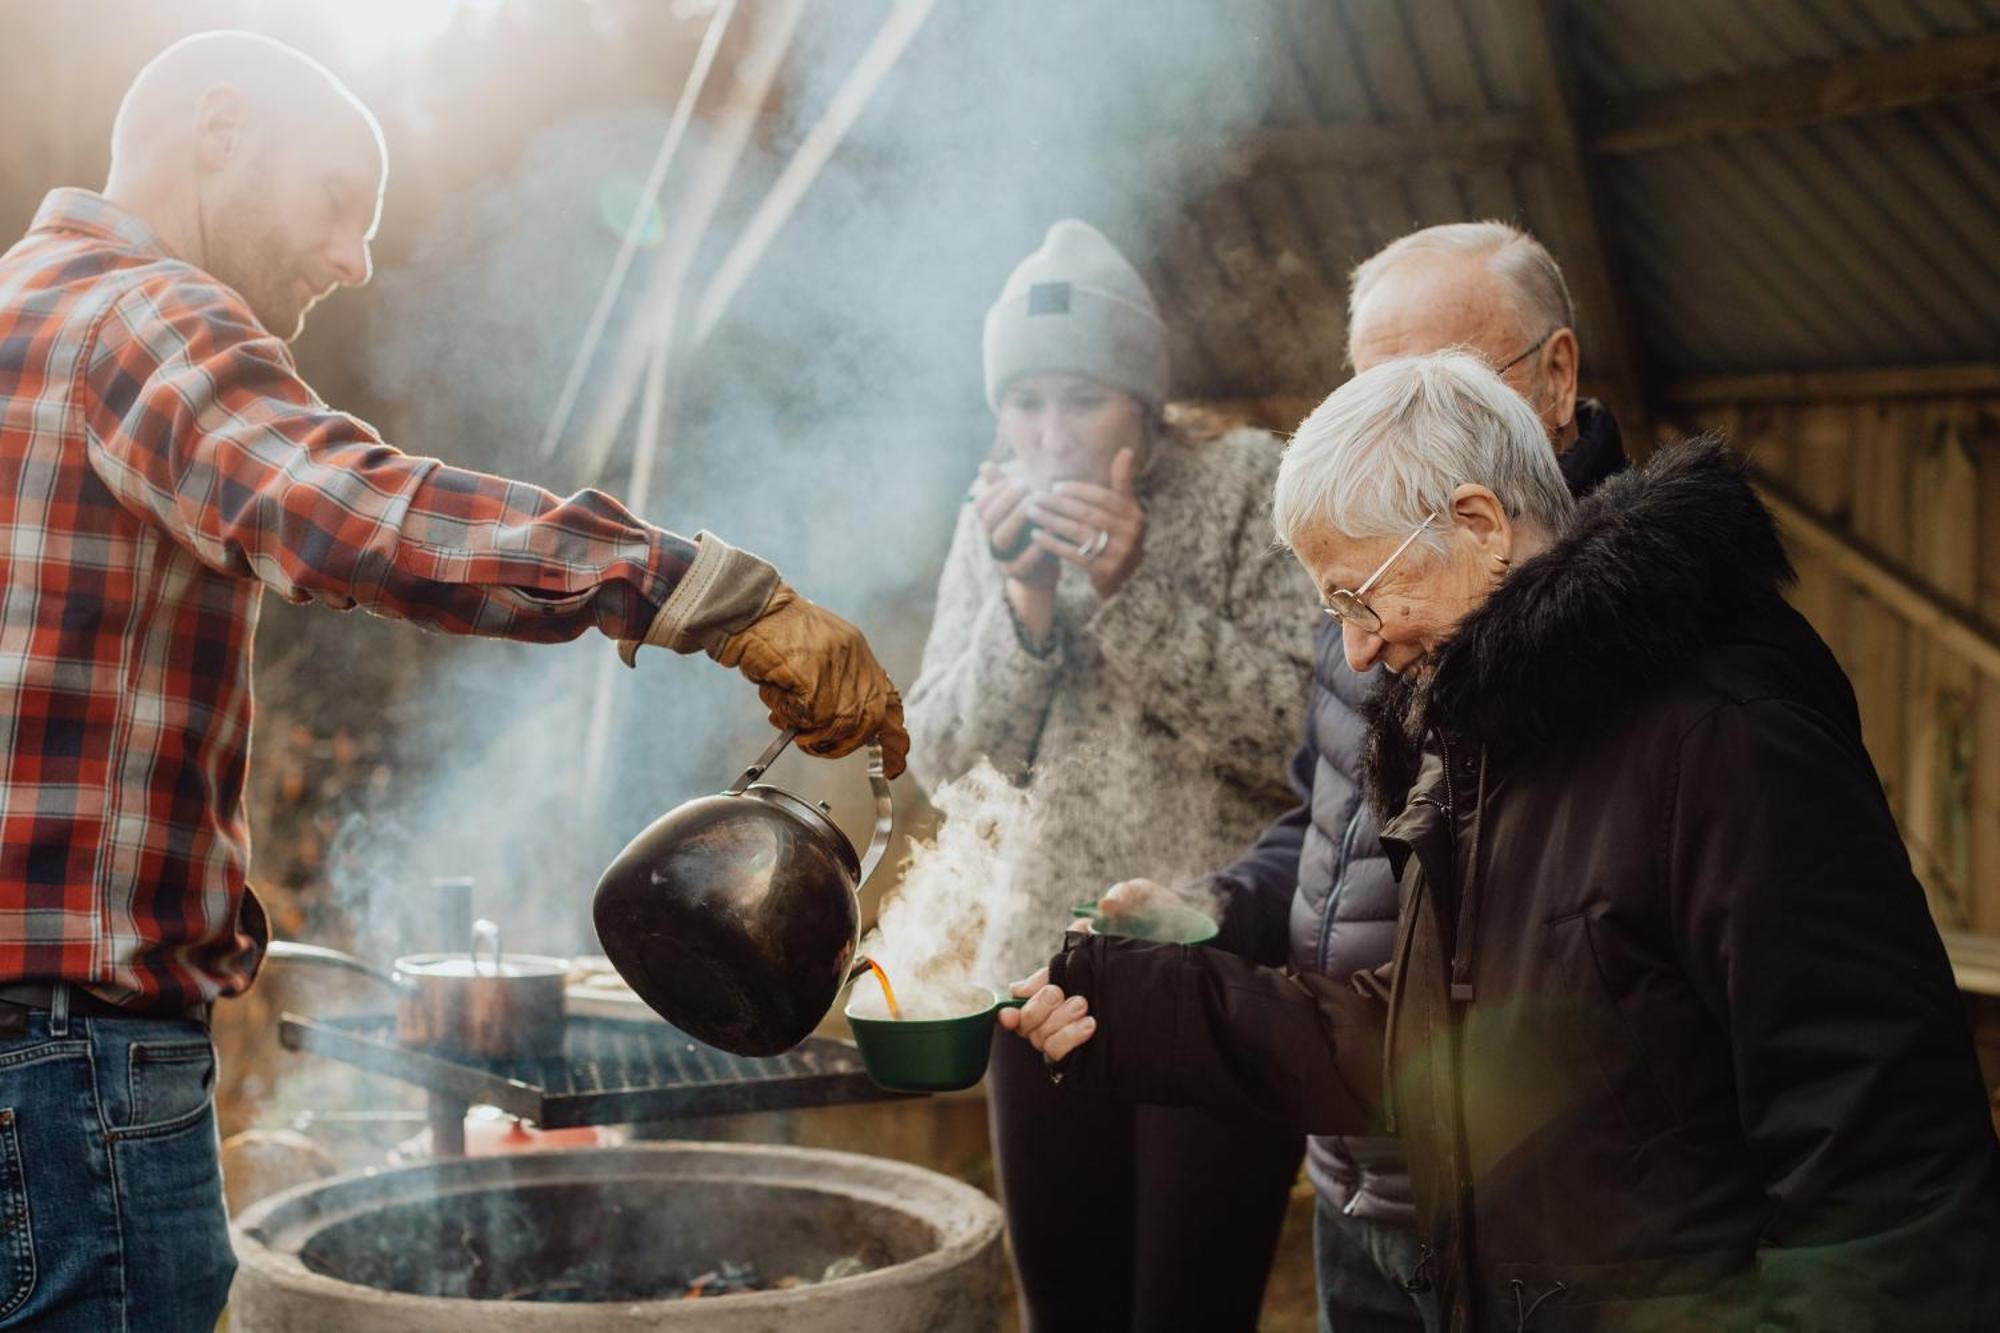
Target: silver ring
[1096,546]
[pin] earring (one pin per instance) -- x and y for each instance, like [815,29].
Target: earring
[1501,560]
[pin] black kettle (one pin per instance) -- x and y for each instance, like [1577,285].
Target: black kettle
[735,917]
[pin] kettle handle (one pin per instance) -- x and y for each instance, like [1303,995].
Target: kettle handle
[885,815]
[878,781]
[762,762]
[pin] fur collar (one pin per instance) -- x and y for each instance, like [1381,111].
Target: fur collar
[1660,562]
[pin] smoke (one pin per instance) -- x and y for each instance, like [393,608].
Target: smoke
[940,935]
[469,338]
[831,424]
[932,936]
[1204,896]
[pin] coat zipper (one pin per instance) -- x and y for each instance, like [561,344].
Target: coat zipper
[1450,793]
[1457,997]
[1405,941]
[1465,944]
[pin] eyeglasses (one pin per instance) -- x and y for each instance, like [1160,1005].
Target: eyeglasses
[1532,348]
[1348,608]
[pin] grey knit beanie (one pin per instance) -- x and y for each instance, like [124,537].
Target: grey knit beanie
[1078,307]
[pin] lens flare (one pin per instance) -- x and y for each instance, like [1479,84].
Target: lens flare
[621,201]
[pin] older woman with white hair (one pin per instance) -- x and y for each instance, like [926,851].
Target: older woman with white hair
[1668,1032]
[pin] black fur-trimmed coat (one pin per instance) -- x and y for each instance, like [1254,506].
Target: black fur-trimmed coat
[1671,1039]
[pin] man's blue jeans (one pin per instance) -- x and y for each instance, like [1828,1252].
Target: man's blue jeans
[111,1213]
[1362,1268]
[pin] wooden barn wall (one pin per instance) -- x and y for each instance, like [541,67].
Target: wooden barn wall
[1918,482]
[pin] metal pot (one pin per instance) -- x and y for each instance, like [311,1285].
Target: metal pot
[735,917]
[501,1007]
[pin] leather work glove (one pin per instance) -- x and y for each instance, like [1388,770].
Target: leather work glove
[812,669]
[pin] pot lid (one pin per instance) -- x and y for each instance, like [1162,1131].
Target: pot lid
[469,966]
[815,818]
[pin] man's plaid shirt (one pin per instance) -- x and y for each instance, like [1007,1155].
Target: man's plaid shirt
[161,464]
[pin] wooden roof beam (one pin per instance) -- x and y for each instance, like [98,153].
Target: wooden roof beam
[663,314]
[628,249]
[1808,386]
[1582,239]
[901,25]
[1457,143]
[1952,626]
[1921,74]
[658,308]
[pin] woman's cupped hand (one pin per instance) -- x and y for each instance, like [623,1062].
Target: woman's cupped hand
[1001,502]
[1054,1024]
[1099,529]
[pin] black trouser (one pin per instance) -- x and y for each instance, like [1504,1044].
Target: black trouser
[1142,1218]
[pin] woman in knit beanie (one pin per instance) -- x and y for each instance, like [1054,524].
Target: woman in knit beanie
[1116,633]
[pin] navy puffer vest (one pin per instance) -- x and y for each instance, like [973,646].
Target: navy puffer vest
[1344,915]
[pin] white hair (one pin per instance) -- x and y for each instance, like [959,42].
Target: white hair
[1389,447]
[1530,274]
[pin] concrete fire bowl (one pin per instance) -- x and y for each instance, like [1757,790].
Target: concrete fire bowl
[598,1239]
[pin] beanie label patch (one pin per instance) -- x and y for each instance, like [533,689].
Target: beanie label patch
[1048,298]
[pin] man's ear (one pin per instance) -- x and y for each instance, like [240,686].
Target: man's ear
[221,124]
[1562,366]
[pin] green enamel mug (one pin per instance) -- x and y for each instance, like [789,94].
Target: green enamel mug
[928,1054]
[1168,925]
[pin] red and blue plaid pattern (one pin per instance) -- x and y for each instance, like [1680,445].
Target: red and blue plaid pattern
[161,464]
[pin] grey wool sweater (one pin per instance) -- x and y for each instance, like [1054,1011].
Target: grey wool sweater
[1151,739]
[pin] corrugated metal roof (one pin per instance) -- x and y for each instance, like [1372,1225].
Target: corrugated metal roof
[1862,242]
[1646,46]
[1286,242]
[1859,242]
[1868,241]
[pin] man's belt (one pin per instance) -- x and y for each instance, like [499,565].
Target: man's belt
[42,995]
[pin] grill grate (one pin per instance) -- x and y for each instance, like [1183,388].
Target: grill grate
[611,1071]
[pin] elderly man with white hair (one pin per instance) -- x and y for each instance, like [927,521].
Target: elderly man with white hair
[1667,1029]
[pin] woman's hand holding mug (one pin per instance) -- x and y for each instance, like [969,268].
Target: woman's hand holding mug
[1137,898]
[1002,503]
[1099,529]
[1053,1023]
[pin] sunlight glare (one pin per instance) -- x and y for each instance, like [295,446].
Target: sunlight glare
[382,29]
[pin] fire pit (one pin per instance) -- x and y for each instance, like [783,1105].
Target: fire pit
[717,1237]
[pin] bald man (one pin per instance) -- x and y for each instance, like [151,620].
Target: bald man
[161,465]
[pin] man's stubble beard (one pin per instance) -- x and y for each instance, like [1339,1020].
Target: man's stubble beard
[244,252]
